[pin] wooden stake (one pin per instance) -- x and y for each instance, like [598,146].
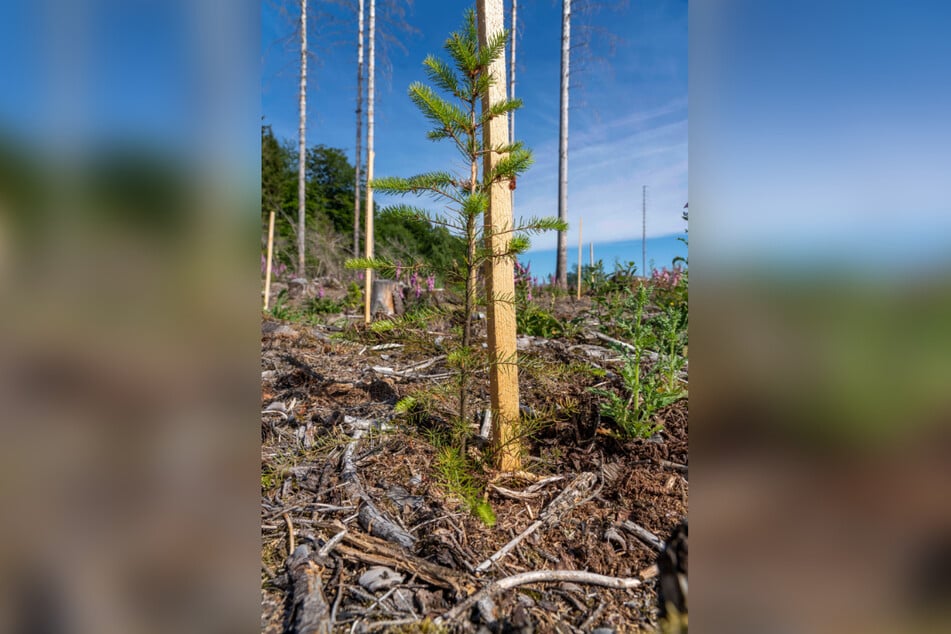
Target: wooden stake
[500,281]
[270,254]
[368,242]
[580,222]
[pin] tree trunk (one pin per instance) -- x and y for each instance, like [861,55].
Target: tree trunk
[512,85]
[561,267]
[500,281]
[359,151]
[302,145]
[368,239]
[512,71]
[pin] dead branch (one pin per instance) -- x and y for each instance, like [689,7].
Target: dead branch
[290,533]
[311,613]
[673,465]
[538,576]
[373,550]
[369,516]
[411,371]
[644,535]
[574,494]
[333,541]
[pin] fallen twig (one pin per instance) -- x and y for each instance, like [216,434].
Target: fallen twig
[673,465]
[291,543]
[369,516]
[574,494]
[373,550]
[409,371]
[386,346]
[333,541]
[311,614]
[538,576]
[644,535]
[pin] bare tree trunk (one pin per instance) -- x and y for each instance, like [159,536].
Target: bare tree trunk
[359,151]
[369,215]
[302,147]
[512,85]
[512,71]
[561,267]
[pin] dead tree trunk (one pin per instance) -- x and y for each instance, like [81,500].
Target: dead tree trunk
[561,266]
[368,239]
[358,160]
[302,145]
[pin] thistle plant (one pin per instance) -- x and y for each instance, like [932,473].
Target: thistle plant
[458,117]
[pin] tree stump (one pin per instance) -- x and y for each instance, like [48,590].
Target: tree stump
[386,298]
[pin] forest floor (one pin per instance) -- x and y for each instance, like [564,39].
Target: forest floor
[328,398]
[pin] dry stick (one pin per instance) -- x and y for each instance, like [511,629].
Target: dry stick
[291,545]
[644,535]
[573,495]
[311,612]
[270,255]
[333,541]
[409,371]
[370,518]
[673,465]
[539,576]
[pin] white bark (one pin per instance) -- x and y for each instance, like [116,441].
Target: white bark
[302,144]
[512,70]
[369,212]
[561,267]
[359,150]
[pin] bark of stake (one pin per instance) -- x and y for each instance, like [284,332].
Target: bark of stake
[302,145]
[561,266]
[368,239]
[311,610]
[500,281]
[359,151]
[270,256]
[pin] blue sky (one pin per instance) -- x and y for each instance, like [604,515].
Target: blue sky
[821,134]
[628,120]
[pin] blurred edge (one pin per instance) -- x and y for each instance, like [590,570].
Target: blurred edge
[129,448]
[821,334]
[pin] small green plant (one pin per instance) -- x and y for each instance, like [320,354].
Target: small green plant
[455,472]
[461,118]
[537,322]
[645,391]
[671,328]
[281,310]
[322,306]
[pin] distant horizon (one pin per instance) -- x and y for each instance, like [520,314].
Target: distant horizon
[661,250]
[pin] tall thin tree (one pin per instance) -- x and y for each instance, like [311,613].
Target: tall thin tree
[368,239]
[561,265]
[358,160]
[302,145]
[514,38]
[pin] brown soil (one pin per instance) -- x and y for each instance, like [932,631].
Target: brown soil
[327,377]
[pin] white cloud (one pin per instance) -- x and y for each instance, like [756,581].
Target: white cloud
[607,165]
